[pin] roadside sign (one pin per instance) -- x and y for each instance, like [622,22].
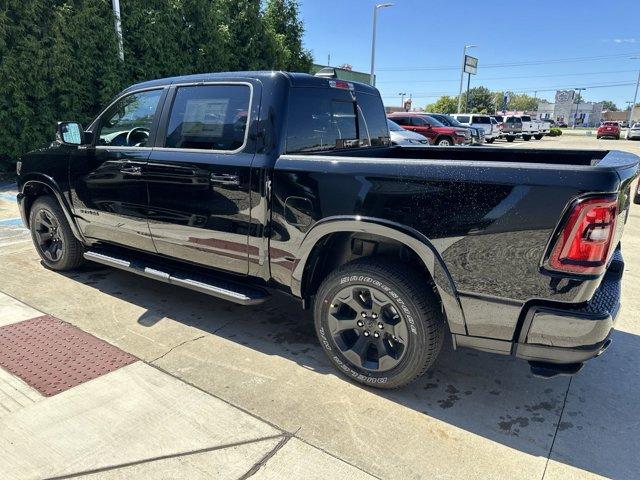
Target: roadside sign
[470,65]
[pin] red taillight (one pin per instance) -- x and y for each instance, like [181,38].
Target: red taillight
[584,243]
[341,84]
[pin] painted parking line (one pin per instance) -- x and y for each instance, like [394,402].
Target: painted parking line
[11,222]
[10,197]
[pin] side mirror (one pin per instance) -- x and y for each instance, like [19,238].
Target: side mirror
[70,133]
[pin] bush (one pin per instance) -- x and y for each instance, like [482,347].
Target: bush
[555,132]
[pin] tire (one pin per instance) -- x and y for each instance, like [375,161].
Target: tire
[410,302]
[618,137]
[538,137]
[58,248]
[510,139]
[526,138]
[490,140]
[444,142]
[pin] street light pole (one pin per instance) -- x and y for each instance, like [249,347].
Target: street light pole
[116,15]
[372,78]
[464,56]
[635,99]
[402,94]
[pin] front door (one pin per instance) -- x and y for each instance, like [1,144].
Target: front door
[199,176]
[109,191]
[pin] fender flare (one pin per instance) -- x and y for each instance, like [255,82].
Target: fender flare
[52,185]
[408,236]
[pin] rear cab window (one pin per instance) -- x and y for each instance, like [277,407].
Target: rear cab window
[326,119]
[481,119]
[463,118]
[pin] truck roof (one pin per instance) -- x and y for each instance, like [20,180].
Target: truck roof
[266,77]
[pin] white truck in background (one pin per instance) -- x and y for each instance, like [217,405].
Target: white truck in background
[481,122]
[544,126]
[530,128]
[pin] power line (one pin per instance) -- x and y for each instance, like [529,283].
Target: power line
[527,90]
[512,64]
[550,75]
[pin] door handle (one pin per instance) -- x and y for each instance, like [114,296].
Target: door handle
[225,179]
[131,170]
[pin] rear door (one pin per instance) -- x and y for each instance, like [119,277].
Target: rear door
[109,190]
[199,174]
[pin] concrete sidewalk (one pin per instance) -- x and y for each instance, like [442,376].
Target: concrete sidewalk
[139,422]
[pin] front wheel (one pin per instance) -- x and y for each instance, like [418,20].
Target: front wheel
[510,139]
[526,138]
[538,137]
[490,140]
[379,322]
[52,236]
[444,142]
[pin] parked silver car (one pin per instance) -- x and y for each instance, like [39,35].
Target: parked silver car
[634,133]
[406,138]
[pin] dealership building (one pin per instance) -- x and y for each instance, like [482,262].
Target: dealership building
[564,109]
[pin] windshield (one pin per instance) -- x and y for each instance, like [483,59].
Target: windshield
[394,127]
[433,121]
[446,119]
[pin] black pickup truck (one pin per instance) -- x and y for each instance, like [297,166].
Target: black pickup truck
[235,184]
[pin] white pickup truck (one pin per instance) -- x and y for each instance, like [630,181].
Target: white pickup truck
[544,127]
[480,121]
[530,128]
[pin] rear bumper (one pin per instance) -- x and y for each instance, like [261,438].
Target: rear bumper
[562,334]
[573,335]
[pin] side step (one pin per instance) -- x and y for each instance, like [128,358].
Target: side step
[209,284]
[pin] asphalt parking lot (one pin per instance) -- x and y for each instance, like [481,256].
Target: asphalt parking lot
[260,369]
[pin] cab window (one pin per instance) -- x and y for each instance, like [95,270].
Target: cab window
[128,122]
[209,117]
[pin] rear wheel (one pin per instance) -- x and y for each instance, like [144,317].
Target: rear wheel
[526,138]
[444,142]
[379,322]
[490,140]
[52,236]
[538,137]
[510,139]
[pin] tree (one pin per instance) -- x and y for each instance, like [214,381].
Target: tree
[481,100]
[282,20]
[444,104]
[58,58]
[522,102]
[609,105]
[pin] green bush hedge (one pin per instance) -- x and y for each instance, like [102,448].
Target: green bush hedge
[555,132]
[59,61]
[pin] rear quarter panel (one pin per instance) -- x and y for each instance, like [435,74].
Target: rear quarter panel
[489,222]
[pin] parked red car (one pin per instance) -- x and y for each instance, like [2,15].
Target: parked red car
[609,129]
[437,133]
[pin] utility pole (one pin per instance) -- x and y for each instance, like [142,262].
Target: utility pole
[635,99]
[116,15]
[372,78]
[464,57]
[575,117]
[329,59]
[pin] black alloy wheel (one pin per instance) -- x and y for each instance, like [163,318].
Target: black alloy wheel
[367,328]
[56,244]
[47,234]
[379,321]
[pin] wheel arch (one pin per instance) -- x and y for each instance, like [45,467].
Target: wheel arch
[36,186]
[416,242]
